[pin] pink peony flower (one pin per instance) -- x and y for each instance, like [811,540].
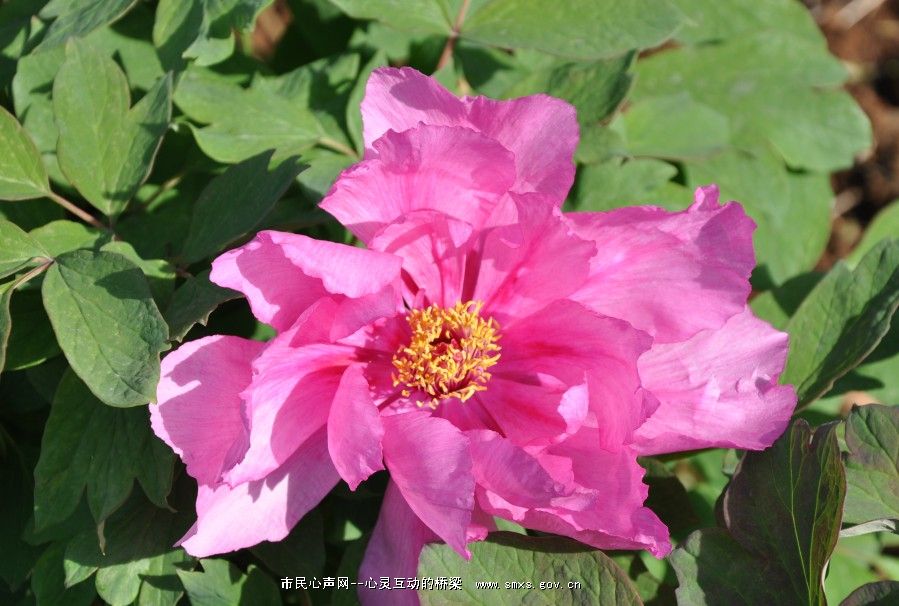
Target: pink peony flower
[498,357]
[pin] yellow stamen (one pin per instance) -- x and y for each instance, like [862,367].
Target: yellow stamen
[449,352]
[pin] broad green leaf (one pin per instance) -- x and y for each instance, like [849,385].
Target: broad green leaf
[872,464]
[852,564]
[884,226]
[235,202]
[17,249]
[772,86]
[614,184]
[425,16]
[673,127]
[32,342]
[105,149]
[222,584]
[160,273]
[792,210]
[881,593]
[596,89]
[48,581]
[107,324]
[507,556]
[841,321]
[782,513]
[17,25]
[58,237]
[244,122]
[80,17]
[92,448]
[717,20]
[130,42]
[581,29]
[22,173]
[777,306]
[138,561]
[177,25]
[192,303]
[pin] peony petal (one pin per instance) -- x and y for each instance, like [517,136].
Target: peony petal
[456,171]
[435,249]
[541,131]
[282,274]
[560,363]
[289,398]
[265,510]
[354,429]
[719,389]
[670,274]
[528,264]
[393,551]
[605,508]
[429,461]
[198,412]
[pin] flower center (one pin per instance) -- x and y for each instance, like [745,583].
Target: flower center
[449,352]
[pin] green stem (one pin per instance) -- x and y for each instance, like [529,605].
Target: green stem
[338,147]
[78,212]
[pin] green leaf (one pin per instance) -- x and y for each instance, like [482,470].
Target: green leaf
[872,464]
[107,324]
[841,321]
[193,302]
[235,202]
[302,550]
[614,184]
[425,16]
[782,513]
[776,88]
[22,172]
[507,556]
[48,582]
[244,122]
[105,149]
[58,237]
[853,563]
[596,89]
[17,249]
[91,448]
[674,127]
[884,226]
[160,273]
[222,584]
[583,29]
[354,103]
[138,561]
[32,342]
[881,593]
[80,17]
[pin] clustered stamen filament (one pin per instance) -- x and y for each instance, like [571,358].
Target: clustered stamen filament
[449,353]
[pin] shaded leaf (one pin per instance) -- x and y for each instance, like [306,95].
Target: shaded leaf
[105,149]
[841,321]
[872,465]
[884,226]
[138,554]
[507,556]
[5,320]
[107,324]
[93,448]
[22,172]
[235,202]
[222,584]
[78,18]
[32,342]
[882,593]
[192,303]
[782,513]
[48,581]
[17,249]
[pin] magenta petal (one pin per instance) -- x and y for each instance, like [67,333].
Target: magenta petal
[264,510]
[282,274]
[288,400]
[670,274]
[454,170]
[198,412]
[528,264]
[719,389]
[434,249]
[393,551]
[541,131]
[354,429]
[428,459]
